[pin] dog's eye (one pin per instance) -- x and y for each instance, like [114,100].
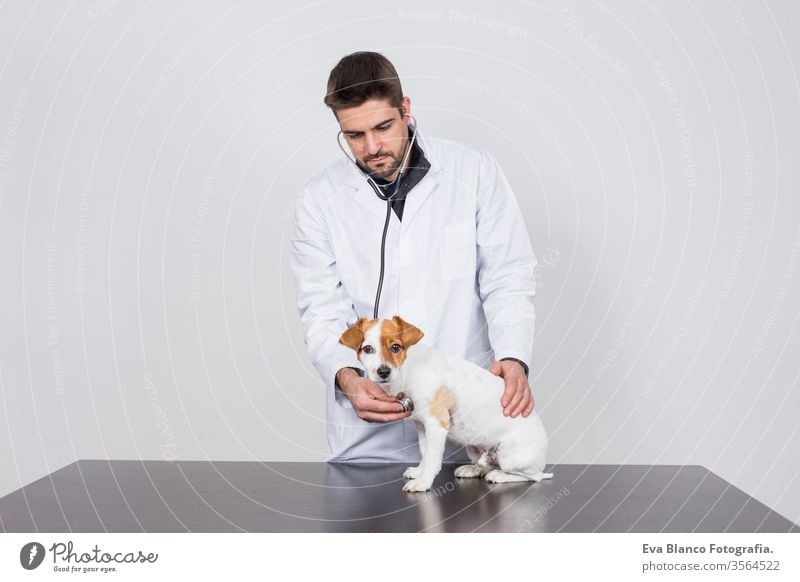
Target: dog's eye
[396,348]
[367,349]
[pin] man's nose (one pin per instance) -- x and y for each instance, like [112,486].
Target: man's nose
[384,371]
[373,145]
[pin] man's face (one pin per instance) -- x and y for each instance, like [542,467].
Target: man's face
[377,135]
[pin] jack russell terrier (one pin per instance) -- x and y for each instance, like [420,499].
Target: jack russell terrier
[452,397]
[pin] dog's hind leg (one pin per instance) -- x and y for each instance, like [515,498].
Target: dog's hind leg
[517,464]
[480,464]
[500,476]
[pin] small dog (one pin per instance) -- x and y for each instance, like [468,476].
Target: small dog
[452,397]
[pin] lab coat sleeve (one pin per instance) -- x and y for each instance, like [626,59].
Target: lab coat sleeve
[506,265]
[324,306]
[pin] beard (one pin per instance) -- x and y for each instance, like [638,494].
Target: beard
[387,170]
[383,172]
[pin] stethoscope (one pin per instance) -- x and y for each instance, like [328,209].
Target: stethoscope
[388,199]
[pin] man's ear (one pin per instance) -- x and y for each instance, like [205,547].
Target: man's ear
[409,334]
[405,105]
[353,337]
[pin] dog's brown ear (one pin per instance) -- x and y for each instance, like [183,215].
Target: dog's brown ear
[354,335]
[409,334]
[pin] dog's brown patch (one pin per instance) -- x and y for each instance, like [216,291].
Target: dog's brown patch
[442,405]
[353,337]
[397,331]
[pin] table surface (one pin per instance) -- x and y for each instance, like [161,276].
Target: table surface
[198,496]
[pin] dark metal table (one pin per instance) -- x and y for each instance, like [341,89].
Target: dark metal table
[162,496]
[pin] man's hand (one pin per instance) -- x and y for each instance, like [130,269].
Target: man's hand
[369,400]
[517,396]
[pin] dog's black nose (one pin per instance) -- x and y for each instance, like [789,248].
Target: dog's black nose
[384,372]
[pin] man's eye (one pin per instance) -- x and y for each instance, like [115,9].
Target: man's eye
[384,127]
[367,349]
[396,348]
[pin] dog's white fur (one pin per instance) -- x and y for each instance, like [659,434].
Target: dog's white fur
[452,398]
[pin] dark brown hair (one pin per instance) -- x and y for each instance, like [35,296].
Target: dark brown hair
[361,76]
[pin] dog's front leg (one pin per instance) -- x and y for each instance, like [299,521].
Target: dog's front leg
[435,439]
[414,472]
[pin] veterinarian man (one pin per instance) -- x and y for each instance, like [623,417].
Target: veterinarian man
[458,260]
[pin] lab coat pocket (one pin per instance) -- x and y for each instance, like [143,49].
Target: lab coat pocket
[458,250]
[351,269]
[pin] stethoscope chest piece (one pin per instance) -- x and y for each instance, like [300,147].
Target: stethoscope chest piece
[405,401]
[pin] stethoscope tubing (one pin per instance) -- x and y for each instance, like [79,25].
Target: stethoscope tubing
[388,199]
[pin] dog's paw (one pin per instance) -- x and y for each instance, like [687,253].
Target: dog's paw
[418,485]
[412,472]
[469,471]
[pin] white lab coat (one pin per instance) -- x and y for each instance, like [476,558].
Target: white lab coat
[459,266]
